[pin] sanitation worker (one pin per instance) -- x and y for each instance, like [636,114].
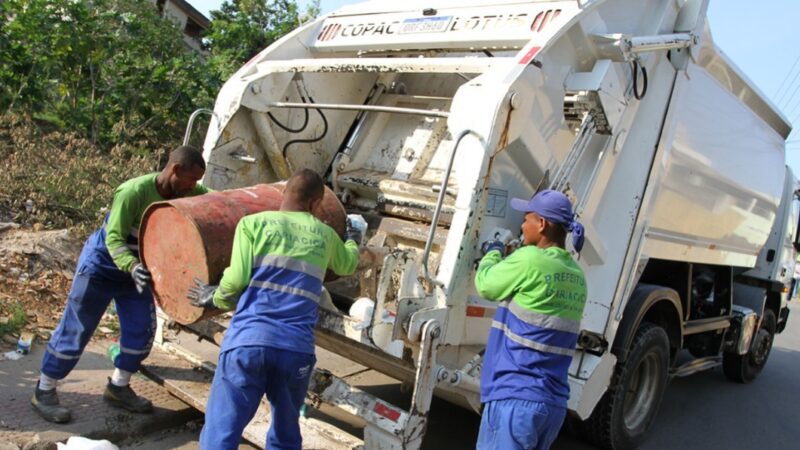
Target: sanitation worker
[535,329]
[274,282]
[109,267]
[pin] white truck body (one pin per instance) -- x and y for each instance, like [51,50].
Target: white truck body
[525,95]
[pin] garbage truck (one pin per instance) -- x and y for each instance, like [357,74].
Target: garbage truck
[426,117]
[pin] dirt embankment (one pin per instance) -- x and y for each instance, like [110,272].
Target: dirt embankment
[36,269]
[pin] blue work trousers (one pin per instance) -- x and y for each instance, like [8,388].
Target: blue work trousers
[519,425]
[243,376]
[88,300]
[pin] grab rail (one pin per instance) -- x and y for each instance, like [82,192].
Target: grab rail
[439,203]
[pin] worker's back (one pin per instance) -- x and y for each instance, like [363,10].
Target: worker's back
[535,330]
[284,255]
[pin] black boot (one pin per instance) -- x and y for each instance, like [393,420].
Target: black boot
[46,404]
[124,397]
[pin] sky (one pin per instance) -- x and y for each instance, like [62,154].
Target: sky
[761,37]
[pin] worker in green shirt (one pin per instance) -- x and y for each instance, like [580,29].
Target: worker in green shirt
[109,267]
[524,386]
[274,282]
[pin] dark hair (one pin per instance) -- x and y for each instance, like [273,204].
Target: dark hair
[305,185]
[187,156]
[555,232]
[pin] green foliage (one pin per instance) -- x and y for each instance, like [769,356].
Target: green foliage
[242,28]
[16,319]
[112,71]
[94,92]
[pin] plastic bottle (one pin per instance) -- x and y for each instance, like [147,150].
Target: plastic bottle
[24,343]
[113,351]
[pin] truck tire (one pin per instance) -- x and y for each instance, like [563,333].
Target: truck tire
[745,368]
[631,403]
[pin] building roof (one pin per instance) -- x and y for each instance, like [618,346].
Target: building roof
[193,13]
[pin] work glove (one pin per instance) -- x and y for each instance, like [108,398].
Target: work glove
[354,228]
[500,240]
[494,244]
[141,276]
[202,294]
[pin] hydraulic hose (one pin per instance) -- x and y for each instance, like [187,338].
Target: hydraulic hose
[635,67]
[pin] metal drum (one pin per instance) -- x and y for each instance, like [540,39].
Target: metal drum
[192,237]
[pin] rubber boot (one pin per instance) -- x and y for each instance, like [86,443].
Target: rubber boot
[47,405]
[124,397]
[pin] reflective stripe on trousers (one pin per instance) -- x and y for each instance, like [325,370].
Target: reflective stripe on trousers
[86,304]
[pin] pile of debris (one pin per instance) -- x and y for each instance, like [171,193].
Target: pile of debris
[36,269]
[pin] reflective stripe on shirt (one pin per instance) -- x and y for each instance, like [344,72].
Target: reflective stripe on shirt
[287,262]
[285,289]
[118,250]
[127,247]
[541,320]
[533,345]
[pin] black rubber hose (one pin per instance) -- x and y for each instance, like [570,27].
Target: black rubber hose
[286,128]
[636,67]
[312,140]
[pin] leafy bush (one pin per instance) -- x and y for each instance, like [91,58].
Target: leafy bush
[242,28]
[94,92]
[110,71]
[16,318]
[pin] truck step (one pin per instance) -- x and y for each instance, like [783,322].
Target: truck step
[188,377]
[707,324]
[696,365]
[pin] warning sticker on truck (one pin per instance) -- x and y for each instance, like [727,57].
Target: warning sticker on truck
[496,203]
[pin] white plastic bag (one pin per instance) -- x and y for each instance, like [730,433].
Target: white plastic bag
[82,443]
[361,310]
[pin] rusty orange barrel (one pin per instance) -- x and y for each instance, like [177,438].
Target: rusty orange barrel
[192,237]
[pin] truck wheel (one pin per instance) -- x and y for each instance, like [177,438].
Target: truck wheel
[745,368]
[631,402]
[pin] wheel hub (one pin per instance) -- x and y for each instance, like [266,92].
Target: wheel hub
[642,389]
[761,347]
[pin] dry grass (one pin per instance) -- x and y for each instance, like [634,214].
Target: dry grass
[52,180]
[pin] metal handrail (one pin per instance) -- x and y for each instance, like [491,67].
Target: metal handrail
[194,115]
[575,152]
[439,203]
[349,107]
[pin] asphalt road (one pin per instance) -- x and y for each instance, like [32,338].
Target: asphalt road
[706,411]
[699,412]
[703,411]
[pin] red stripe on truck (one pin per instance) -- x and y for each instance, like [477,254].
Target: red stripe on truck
[529,56]
[385,411]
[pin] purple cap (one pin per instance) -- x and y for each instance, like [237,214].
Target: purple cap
[554,207]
